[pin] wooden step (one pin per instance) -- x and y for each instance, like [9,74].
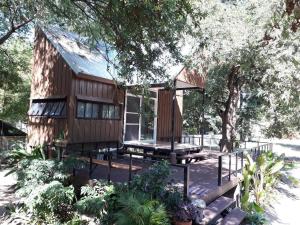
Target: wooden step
[235,217]
[209,195]
[214,209]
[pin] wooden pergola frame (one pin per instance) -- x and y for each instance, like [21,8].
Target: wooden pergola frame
[188,80]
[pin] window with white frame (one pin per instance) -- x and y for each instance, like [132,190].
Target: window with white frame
[140,117]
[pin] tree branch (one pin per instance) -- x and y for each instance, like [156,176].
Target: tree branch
[13,29]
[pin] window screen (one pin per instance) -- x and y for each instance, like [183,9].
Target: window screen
[48,108]
[133,104]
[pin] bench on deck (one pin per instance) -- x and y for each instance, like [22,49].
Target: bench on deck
[145,155]
[189,157]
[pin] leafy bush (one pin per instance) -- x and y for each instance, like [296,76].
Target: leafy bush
[186,212]
[94,199]
[172,198]
[255,218]
[21,153]
[51,202]
[33,173]
[138,209]
[154,180]
[259,177]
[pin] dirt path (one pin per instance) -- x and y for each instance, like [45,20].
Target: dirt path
[6,192]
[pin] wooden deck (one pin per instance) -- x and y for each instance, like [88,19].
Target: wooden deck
[203,181]
[162,147]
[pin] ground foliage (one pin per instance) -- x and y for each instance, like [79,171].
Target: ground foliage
[48,195]
[260,176]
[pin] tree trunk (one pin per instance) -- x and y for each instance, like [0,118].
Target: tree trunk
[229,115]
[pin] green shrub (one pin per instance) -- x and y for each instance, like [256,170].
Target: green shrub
[138,209]
[154,180]
[259,177]
[255,218]
[21,153]
[33,173]
[51,202]
[94,199]
[172,198]
[76,220]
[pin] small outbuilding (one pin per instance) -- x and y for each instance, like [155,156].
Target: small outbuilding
[9,135]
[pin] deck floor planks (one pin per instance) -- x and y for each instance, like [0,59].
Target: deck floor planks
[203,175]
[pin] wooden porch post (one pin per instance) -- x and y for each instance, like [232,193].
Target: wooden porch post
[173,116]
[173,154]
[202,129]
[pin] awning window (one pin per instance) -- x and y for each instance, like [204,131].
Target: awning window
[48,108]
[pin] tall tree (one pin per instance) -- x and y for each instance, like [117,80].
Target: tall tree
[244,49]
[145,34]
[15,69]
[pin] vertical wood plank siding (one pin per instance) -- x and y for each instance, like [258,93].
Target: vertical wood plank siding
[85,130]
[164,118]
[52,77]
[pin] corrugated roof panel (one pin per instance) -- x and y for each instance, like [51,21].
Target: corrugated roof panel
[77,54]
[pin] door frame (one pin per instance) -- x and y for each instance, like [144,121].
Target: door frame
[140,117]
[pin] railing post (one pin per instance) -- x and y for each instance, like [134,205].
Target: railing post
[242,161]
[59,156]
[91,164]
[130,168]
[229,175]
[186,181]
[109,168]
[220,171]
[271,146]
[236,164]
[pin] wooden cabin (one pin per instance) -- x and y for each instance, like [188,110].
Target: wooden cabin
[74,98]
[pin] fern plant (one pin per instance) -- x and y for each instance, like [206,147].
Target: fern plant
[154,181]
[51,202]
[94,199]
[138,209]
[21,153]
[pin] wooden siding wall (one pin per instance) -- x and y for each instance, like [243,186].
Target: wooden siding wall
[164,115]
[86,130]
[51,77]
